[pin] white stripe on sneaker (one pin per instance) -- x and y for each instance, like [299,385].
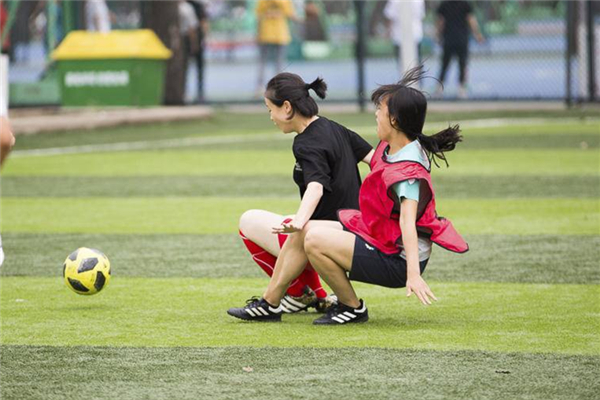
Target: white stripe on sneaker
[262,310]
[338,320]
[342,316]
[349,314]
[294,302]
[287,307]
[249,311]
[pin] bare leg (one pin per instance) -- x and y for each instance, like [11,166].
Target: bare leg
[7,139]
[263,60]
[330,252]
[257,226]
[291,262]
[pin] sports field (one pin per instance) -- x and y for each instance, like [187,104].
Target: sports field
[518,316]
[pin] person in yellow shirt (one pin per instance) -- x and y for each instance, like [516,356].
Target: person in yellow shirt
[273,34]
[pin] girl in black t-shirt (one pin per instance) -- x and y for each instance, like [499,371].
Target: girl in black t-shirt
[327,176]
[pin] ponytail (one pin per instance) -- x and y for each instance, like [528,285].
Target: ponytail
[318,86]
[443,141]
[290,87]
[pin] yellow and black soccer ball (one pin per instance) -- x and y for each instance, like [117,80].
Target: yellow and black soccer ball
[86,271]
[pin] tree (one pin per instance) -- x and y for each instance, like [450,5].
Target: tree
[163,18]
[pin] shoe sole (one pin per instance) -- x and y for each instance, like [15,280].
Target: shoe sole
[253,319]
[362,321]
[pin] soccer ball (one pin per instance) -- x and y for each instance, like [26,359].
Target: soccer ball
[86,271]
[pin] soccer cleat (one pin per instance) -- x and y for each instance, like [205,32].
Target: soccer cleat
[293,304]
[257,309]
[323,305]
[342,314]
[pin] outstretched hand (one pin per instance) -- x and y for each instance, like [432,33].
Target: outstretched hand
[419,287]
[288,227]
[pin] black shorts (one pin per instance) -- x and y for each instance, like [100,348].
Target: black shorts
[370,265]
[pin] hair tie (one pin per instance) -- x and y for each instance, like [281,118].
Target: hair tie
[307,86]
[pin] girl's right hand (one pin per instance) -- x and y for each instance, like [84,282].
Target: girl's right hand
[419,287]
[288,227]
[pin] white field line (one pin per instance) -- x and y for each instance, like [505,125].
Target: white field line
[265,137]
[150,145]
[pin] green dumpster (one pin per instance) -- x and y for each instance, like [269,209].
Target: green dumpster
[120,68]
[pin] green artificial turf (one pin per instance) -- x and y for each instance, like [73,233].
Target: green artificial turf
[518,315]
[237,162]
[291,373]
[214,215]
[191,312]
[223,123]
[492,258]
[445,186]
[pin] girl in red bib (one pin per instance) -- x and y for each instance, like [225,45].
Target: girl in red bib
[388,241]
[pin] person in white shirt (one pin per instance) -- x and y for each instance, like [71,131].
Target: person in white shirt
[392,12]
[97,16]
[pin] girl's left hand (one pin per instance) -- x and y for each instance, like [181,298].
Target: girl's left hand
[419,287]
[288,227]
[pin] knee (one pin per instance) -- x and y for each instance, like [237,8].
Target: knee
[248,220]
[313,242]
[7,139]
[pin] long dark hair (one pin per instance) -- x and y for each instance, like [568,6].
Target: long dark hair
[291,87]
[407,107]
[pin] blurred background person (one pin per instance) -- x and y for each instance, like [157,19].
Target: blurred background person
[5,47]
[392,11]
[201,33]
[314,31]
[188,28]
[272,17]
[47,17]
[97,16]
[454,24]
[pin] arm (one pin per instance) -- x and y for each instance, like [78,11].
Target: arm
[475,28]
[439,28]
[291,13]
[362,150]
[205,26]
[312,196]
[194,46]
[367,159]
[414,282]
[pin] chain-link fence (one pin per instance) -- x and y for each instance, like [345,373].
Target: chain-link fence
[492,50]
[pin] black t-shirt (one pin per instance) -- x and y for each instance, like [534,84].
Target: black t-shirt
[328,153]
[456,25]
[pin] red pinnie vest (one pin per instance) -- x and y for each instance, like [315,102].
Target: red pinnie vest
[377,222]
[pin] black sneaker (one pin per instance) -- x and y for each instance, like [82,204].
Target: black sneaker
[257,309]
[342,314]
